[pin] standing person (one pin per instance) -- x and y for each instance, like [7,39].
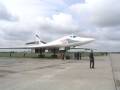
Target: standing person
[75,55]
[80,55]
[91,56]
[24,54]
[62,56]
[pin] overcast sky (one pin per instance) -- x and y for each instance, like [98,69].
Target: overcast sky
[20,20]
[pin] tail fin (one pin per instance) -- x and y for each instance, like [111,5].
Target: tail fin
[37,36]
[38,39]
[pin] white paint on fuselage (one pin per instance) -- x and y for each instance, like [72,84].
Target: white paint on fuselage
[66,41]
[63,42]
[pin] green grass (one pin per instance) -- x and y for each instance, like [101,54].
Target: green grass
[36,55]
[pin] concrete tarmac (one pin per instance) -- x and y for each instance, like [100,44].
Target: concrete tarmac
[115,63]
[38,74]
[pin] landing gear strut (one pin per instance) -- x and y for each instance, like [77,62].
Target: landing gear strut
[40,51]
[54,50]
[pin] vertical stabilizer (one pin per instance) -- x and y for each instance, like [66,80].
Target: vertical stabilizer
[39,40]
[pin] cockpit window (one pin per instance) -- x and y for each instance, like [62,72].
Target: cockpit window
[73,36]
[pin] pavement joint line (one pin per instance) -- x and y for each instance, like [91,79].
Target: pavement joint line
[113,72]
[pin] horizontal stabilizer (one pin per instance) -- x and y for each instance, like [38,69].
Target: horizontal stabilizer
[43,42]
[35,42]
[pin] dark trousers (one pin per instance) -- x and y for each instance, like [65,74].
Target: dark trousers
[91,63]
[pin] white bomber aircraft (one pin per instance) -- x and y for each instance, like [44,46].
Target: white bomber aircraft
[64,42]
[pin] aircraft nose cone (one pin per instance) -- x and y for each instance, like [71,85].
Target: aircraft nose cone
[91,39]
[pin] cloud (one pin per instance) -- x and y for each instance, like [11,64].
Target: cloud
[111,33]
[58,23]
[54,19]
[103,13]
[5,14]
[71,2]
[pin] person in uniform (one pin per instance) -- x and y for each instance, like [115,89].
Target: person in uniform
[91,56]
